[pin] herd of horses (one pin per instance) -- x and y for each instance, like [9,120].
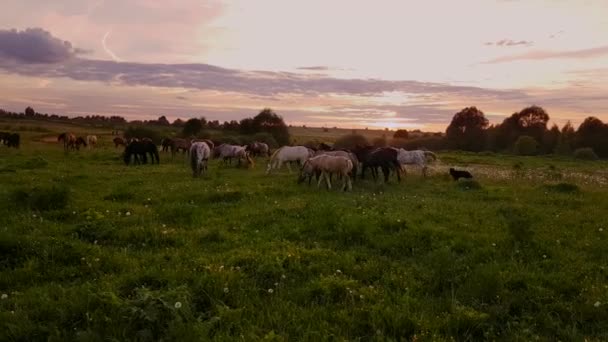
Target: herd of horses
[321,162]
[71,142]
[10,139]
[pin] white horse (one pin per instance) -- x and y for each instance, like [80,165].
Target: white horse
[415,157]
[298,154]
[91,141]
[199,157]
[227,152]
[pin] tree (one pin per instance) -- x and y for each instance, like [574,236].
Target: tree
[178,122]
[593,133]
[29,111]
[401,134]
[526,146]
[531,121]
[466,131]
[246,126]
[163,121]
[192,127]
[268,121]
[550,139]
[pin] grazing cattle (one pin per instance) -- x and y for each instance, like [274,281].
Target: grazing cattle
[118,141]
[284,154]
[384,158]
[68,140]
[416,157]
[12,140]
[178,144]
[199,157]
[257,148]
[91,140]
[80,142]
[138,150]
[327,165]
[227,152]
[457,174]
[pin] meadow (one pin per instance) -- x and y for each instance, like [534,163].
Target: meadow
[93,250]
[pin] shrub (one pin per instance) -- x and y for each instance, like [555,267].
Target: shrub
[585,153]
[351,141]
[267,138]
[526,146]
[40,198]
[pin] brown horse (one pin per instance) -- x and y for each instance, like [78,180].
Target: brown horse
[68,139]
[118,141]
[179,144]
[80,141]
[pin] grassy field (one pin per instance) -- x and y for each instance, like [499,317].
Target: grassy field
[93,250]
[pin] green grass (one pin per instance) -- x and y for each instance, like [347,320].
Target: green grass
[91,250]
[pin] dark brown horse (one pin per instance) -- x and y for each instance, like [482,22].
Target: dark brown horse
[178,144]
[257,148]
[10,139]
[118,141]
[384,158]
[80,141]
[138,150]
[68,139]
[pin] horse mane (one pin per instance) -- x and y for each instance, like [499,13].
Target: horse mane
[61,136]
[275,153]
[431,154]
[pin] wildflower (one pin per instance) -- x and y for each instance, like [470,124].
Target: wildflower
[544,256]
[128,213]
[73,213]
[597,304]
[4,296]
[178,305]
[97,259]
[107,211]
[361,296]
[601,229]
[34,215]
[276,284]
[238,268]
[338,271]
[164,225]
[493,244]
[225,290]
[149,199]
[283,276]
[270,290]
[221,267]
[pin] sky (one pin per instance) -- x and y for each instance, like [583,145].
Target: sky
[379,64]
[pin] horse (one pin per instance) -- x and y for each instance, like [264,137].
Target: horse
[118,141]
[68,139]
[11,139]
[415,157]
[457,174]
[257,148]
[342,153]
[91,140]
[327,165]
[166,144]
[4,137]
[382,157]
[288,154]
[80,141]
[139,149]
[227,152]
[199,157]
[178,144]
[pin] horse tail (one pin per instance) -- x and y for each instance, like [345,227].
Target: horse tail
[430,154]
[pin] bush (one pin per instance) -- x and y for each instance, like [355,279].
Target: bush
[267,138]
[526,146]
[55,197]
[585,153]
[351,141]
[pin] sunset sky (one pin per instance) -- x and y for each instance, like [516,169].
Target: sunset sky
[396,64]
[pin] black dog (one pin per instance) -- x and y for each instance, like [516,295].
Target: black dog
[456,174]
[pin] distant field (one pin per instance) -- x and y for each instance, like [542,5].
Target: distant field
[93,250]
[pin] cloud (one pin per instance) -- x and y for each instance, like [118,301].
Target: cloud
[509,42]
[35,45]
[542,55]
[314,68]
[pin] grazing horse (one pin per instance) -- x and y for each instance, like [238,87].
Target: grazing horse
[4,137]
[284,154]
[227,152]
[199,157]
[166,144]
[341,153]
[139,149]
[91,140]
[416,157]
[257,148]
[178,144]
[80,141]
[68,139]
[118,141]
[383,157]
[327,165]
[324,147]
[11,139]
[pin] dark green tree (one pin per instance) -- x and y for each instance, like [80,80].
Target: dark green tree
[466,131]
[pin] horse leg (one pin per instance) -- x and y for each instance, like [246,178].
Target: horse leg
[350,184]
[328,179]
[385,171]
[289,167]
[424,171]
[320,180]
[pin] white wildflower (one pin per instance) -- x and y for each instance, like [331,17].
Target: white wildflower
[226,290]
[128,213]
[4,296]
[338,271]
[601,229]
[276,284]
[597,304]
[283,276]
[361,296]
[493,244]
[178,305]
[544,256]
[34,215]
[270,290]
